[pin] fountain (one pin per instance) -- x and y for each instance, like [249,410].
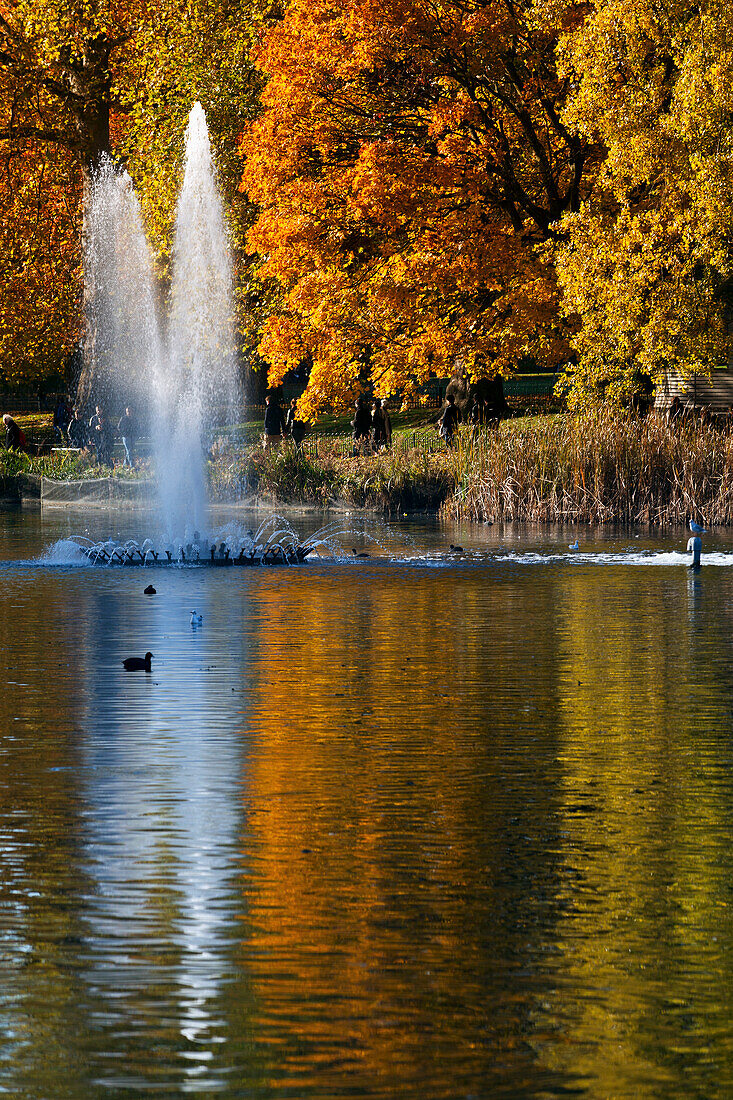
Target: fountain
[182,373]
[199,377]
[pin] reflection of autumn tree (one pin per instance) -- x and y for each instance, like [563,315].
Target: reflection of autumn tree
[389,874]
[39,855]
[641,805]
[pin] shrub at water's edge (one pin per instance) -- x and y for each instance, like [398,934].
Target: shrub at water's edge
[64,467]
[600,468]
[412,479]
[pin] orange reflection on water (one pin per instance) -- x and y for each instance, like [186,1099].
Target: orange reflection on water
[370,820]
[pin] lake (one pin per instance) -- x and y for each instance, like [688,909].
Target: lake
[417,825]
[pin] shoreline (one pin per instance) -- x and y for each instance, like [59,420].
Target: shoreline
[603,468]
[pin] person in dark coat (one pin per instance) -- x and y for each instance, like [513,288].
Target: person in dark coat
[14,435]
[102,434]
[77,431]
[61,418]
[294,427]
[387,424]
[362,425]
[381,425]
[449,420]
[274,423]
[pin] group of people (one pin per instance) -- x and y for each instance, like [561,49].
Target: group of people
[99,432]
[481,413]
[278,426]
[372,428]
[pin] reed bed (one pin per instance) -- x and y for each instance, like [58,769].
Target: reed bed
[607,467]
[604,467]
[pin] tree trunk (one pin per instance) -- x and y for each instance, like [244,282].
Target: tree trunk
[91,82]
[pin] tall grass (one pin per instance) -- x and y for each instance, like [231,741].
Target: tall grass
[601,468]
[64,465]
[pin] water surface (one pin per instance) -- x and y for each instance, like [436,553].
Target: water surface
[416,825]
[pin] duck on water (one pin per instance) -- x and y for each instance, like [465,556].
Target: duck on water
[138,664]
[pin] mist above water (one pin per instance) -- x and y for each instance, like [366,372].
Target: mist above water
[178,374]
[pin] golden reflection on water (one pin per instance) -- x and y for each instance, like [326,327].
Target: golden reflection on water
[378,830]
[354,795]
[646,698]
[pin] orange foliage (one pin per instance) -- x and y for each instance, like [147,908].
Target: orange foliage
[79,80]
[40,191]
[408,165]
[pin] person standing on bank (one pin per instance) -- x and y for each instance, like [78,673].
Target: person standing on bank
[101,433]
[274,423]
[294,427]
[61,418]
[387,424]
[77,431]
[448,421]
[128,431]
[362,425]
[14,434]
[379,430]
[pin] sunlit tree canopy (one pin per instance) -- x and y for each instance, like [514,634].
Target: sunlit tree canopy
[410,162]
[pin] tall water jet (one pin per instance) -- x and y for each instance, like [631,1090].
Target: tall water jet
[197,386]
[123,343]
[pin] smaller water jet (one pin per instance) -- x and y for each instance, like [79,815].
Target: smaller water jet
[179,375]
[280,547]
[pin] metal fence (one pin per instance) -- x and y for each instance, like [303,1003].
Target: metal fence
[423,439]
[26,401]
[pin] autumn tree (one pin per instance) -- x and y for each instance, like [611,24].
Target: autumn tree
[83,79]
[410,163]
[647,261]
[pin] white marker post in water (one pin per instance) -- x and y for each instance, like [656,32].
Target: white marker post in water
[694,547]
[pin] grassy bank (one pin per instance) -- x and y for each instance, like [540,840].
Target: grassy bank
[403,480]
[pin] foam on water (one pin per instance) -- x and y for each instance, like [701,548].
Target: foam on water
[63,552]
[447,560]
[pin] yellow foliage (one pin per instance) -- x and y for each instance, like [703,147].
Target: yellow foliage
[646,263]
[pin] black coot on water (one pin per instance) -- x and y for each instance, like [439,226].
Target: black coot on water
[138,664]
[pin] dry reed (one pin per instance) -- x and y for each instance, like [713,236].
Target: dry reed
[606,467]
